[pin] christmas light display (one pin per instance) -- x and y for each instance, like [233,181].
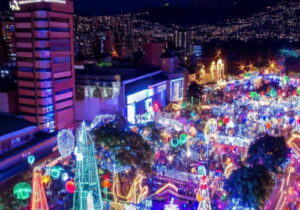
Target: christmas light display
[202,193]
[38,197]
[22,191]
[65,142]
[88,191]
[136,194]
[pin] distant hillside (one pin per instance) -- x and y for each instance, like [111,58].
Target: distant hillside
[206,14]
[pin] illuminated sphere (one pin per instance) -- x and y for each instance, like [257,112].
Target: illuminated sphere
[199,198]
[56,172]
[70,186]
[65,176]
[106,183]
[298,121]
[22,190]
[46,179]
[31,159]
[65,142]
[226,120]
[268,125]
[156,106]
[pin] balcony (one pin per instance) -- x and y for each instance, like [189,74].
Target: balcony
[42,54]
[24,54]
[40,14]
[23,25]
[42,64]
[25,64]
[23,35]
[41,24]
[41,44]
[41,34]
[24,45]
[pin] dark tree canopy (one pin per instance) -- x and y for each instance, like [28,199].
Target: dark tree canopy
[249,186]
[129,147]
[269,151]
[195,90]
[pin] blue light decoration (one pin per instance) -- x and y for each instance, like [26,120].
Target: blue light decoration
[31,159]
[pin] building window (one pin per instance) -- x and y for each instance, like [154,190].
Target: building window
[177,89]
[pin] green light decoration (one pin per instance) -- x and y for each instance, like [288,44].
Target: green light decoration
[286,79]
[298,91]
[247,75]
[22,190]
[273,93]
[183,138]
[254,95]
[221,123]
[88,191]
[183,105]
[178,142]
[56,172]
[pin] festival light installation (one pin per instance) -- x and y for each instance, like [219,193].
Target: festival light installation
[136,194]
[22,191]
[65,142]
[38,197]
[86,176]
[202,193]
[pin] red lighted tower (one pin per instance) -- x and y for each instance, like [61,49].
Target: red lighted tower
[45,62]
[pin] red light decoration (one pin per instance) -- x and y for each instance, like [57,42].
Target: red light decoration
[226,120]
[70,186]
[156,106]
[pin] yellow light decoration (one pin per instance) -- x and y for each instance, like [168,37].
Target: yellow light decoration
[136,194]
[167,187]
[46,179]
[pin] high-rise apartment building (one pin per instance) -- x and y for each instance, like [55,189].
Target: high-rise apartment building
[7,44]
[45,61]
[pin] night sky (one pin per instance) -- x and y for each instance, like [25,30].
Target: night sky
[100,7]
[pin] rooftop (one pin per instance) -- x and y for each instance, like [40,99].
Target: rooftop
[10,123]
[92,72]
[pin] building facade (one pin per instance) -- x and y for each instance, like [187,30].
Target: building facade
[45,62]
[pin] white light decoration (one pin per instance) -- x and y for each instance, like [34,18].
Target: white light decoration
[171,206]
[102,119]
[65,142]
[90,201]
[14,5]
[64,176]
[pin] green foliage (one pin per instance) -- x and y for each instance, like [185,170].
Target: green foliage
[271,152]
[249,186]
[130,148]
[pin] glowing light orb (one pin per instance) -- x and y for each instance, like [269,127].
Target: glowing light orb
[22,190]
[65,142]
[64,176]
[46,179]
[70,186]
[156,106]
[31,159]
[56,172]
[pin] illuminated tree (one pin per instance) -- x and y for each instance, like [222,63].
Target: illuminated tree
[269,151]
[249,187]
[129,147]
[88,192]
